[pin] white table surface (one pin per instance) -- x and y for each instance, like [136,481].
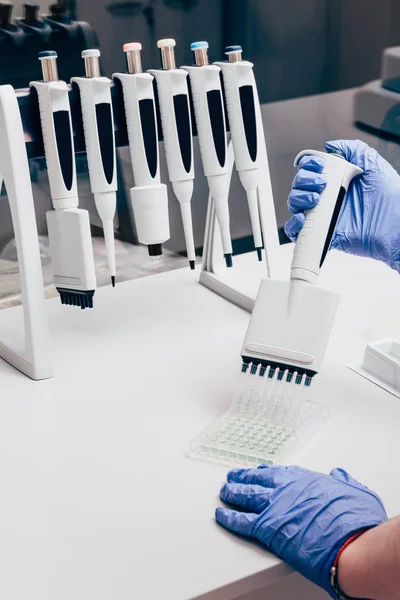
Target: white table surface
[99,501]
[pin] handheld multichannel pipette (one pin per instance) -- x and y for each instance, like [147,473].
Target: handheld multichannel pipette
[176,123]
[241,99]
[293,341]
[283,350]
[149,197]
[98,126]
[69,227]
[316,236]
[211,127]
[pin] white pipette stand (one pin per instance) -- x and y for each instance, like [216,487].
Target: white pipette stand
[30,353]
[33,357]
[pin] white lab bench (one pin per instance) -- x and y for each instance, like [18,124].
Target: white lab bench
[98,498]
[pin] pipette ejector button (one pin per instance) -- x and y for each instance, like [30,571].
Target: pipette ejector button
[133,52]
[167,53]
[234,53]
[91,57]
[200,50]
[48,58]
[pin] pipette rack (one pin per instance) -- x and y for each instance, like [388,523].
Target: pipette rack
[210,275]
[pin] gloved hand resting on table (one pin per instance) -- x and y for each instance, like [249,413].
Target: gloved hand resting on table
[301,516]
[369,224]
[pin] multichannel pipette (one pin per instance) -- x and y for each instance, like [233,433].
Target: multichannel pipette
[98,126]
[291,321]
[283,350]
[149,197]
[316,236]
[241,98]
[68,226]
[211,127]
[176,123]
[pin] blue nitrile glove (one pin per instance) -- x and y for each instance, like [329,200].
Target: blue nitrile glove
[301,516]
[369,224]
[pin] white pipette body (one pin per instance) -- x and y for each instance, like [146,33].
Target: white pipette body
[211,128]
[176,123]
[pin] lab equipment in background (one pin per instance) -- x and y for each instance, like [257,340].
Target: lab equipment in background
[173,94]
[31,355]
[68,226]
[381,365]
[377,103]
[98,127]
[149,197]
[208,106]
[246,130]
[284,345]
[22,38]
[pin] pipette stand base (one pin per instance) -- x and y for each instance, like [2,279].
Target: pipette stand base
[213,266]
[29,353]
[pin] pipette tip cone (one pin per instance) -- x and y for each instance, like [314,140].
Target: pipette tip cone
[259,254]
[228,260]
[113,280]
[192,264]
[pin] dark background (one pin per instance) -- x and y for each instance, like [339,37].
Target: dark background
[299,47]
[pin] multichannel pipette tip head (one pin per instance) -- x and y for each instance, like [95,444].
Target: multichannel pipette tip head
[234,53]
[155,250]
[48,58]
[228,260]
[192,264]
[259,254]
[281,372]
[133,51]
[113,280]
[82,299]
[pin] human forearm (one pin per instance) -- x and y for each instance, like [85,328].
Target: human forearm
[370,566]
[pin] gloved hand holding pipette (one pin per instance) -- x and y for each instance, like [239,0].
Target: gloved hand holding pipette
[369,224]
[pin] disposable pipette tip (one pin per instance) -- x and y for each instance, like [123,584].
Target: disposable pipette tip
[192,264]
[259,254]
[113,280]
[228,260]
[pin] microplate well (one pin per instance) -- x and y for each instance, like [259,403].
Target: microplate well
[270,418]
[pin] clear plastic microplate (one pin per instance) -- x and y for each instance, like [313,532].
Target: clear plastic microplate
[269,419]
